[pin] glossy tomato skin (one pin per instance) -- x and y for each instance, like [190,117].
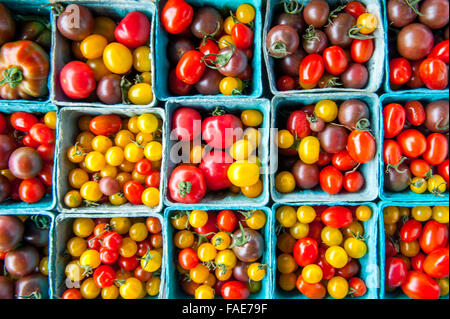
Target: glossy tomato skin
[235,290]
[355,8]
[242,36]
[104,276]
[417,262]
[394,116]
[187,184]
[441,51]
[400,71]
[210,228]
[226,221]
[436,264]
[188,259]
[77,80]
[133,192]
[412,142]
[31,190]
[434,73]
[105,125]
[343,161]
[437,149]
[312,291]
[396,272]
[23,121]
[42,134]
[177,16]
[362,50]
[298,124]
[337,217]
[187,124]
[415,113]
[410,231]
[335,60]
[215,168]
[134,30]
[353,182]
[392,153]
[443,170]
[191,67]
[176,86]
[419,285]
[311,69]
[222,131]
[361,146]
[331,180]
[306,251]
[434,235]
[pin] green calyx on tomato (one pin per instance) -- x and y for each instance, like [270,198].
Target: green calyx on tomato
[220,60]
[13,76]
[184,188]
[333,14]
[293,6]
[239,241]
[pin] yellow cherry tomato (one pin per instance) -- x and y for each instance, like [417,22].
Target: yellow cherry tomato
[418,185]
[404,211]
[306,214]
[257,220]
[440,214]
[76,246]
[331,236]
[286,264]
[226,41]
[287,282]
[391,215]
[123,138]
[228,25]
[127,167]
[84,139]
[226,258]
[354,229]
[117,199]
[120,225]
[95,161]
[147,123]
[43,266]
[206,252]
[90,258]
[422,213]
[312,274]
[105,26]
[138,232]
[411,249]
[146,77]
[101,144]
[443,283]
[368,23]
[117,58]
[77,177]
[286,243]
[50,120]
[150,197]
[114,156]
[337,287]
[252,118]
[83,122]
[89,289]
[223,273]
[436,184]
[245,13]
[110,293]
[75,154]
[307,86]
[133,125]
[253,136]
[231,86]
[285,182]
[363,213]
[152,261]
[141,59]
[241,150]
[355,248]
[83,227]
[144,138]
[183,239]
[221,241]
[257,271]
[131,289]
[199,274]
[153,151]
[336,256]
[285,139]
[90,191]
[299,230]
[73,199]
[128,248]
[204,292]
[253,191]
[93,46]
[286,216]
[74,272]
[133,152]
[109,171]
[390,229]
[309,150]
[327,110]
[152,286]
[99,68]
[243,173]
[140,94]
[180,222]
[198,218]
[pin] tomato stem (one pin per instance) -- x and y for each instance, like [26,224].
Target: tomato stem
[355,34]
[125,86]
[310,34]
[412,5]
[34,295]
[12,76]
[184,188]
[293,6]
[221,59]
[241,240]
[279,50]
[363,125]
[333,14]
[396,167]
[42,222]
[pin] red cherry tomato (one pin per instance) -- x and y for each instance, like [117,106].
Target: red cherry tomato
[176,16]
[23,121]
[312,291]
[31,190]
[42,134]
[443,170]
[362,50]
[235,290]
[105,124]
[417,262]
[210,228]
[311,69]
[437,149]
[436,263]
[420,168]
[108,256]
[343,161]
[191,67]
[112,241]
[357,287]
[298,124]
[226,221]
[77,80]
[420,286]
[208,48]
[133,192]
[188,259]
[396,272]
[391,249]
[128,263]
[72,293]
[335,60]
[242,36]
[47,152]
[143,248]
[394,118]
[306,251]
[134,30]
[412,142]
[104,276]
[331,180]
[361,146]
[353,182]
[392,153]
[415,113]
[434,235]
[410,231]
[337,217]
[434,73]
[144,166]
[153,179]
[286,83]
[28,141]
[94,242]
[399,71]
[324,159]
[176,86]
[46,174]
[327,270]
[441,51]
[355,8]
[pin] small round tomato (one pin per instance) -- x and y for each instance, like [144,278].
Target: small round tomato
[368,23]
[355,8]
[412,142]
[77,80]
[336,256]
[104,276]
[31,190]
[311,69]
[245,13]
[235,290]
[242,36]
[434,73]
[353,182]
[117,58]
[226,221]
[312,291]
[140,94]
[188,258]
[191,67]
[331,180]
[133,192]
[362,50]
[338,287]
[72,293]
[400,71]
[305,251]
[335,59]
[131,289]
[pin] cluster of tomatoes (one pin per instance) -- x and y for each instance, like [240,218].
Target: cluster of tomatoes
[325,144]
[119,161]
[308,57]
[221,64]
[417,251]
[219,254]
[226,161]
[319,250]
[419,53]
[114,257]
[113,61]
[27,150]
[415,149]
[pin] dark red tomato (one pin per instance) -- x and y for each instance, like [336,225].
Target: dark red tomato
[176,16]
[242,36]
[210,228]
[420,168]
[104,276]
[298,124]
[353,182]
[362,50]
[153,179]
[343,161]
[23,121]
[143,248]
[350,270]
[436,263]
[3,124]
[187,258]
[28,141]
[312,291]
[415,113]
[331,180]
[311,69]
[434,235]
[396,272]
[187,184]
[394,117]
[31,190]
[420,286]
[144,166]
[221,131]
[134,30]
[47,151]
[392,153]
[399,71]
[218,287]
[437,149]
[186,124]
[108,256]
[133,192]
[355,8]
[410,231]
[209,47]
[357,287]
[42,134]
[441,51]
[215,168]
[315,230]
[94,242]
[337,217]
[443,170]
[324,159]
[412,142]
[128,263]
[286,83]
[176,86]
[306,251]
[191,67]
[327,270]
[105,124]
[417,262]
[391,249]
[77,80]
[226,221]
[434,73]
[46,174]
[335,60]
[112,241]
[72,293]
[235,290]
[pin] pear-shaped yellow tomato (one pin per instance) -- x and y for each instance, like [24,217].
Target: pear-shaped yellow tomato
[309,150]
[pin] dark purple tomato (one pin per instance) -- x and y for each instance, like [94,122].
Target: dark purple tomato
[352,111]
[109,186]
[76,29]
[178,87]
[34,286]
[177,48]
[415,41]
[333,138]
[316,124]
[434,13]
[11,232]
[7,146]
[355,77]
[207,21]
[397,180]
[236,65]
[315,41]
[290,65]
[109,90]
[252,249]
[7,26]
[437,116]
[306,175]
[5,188]
[240,271]
[282,41]
[6,288]
[287,162]
[415,81]
[209,83]
[400,13]
[295,21]
[316,13]
[37,231]
[338,30]
[22,261]
[25,163]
